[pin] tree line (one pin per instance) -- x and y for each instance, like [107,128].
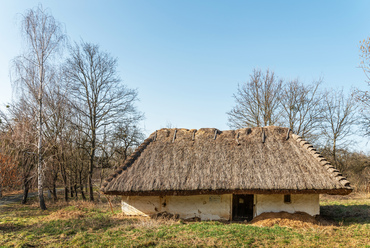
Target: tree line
[326,118]
[72,117]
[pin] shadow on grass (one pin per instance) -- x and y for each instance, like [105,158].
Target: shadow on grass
[10,227]
[347,214]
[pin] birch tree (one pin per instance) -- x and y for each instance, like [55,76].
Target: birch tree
[44,37]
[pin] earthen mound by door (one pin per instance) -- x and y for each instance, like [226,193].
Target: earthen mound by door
[296,220]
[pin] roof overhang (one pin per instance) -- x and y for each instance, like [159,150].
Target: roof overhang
[230,191]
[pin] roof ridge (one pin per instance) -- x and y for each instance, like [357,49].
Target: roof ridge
[130,160]
[325,163]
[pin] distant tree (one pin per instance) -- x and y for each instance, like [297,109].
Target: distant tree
[98,96]
[44,37]
[18,133]
[338,122]
[9,175]
[126,137]
[302,107]
[257,101]
[364,95]
[78,144]
[354,165]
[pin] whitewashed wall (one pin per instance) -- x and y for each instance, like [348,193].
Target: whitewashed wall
[216,207]
[205,207]
[308,203]
[141,205]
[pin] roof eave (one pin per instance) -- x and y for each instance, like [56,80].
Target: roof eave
[343,191]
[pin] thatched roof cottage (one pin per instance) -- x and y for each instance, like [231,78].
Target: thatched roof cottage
[224,175]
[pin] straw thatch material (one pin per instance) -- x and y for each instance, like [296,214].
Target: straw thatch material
[209,161]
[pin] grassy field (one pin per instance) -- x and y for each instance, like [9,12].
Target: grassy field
[83,224]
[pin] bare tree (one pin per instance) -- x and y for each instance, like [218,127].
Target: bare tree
[257,101]
[18,133]
[56,127]
[126,137]
[363,96]
[302,107]
[44,37]
[98,96]
[339,120]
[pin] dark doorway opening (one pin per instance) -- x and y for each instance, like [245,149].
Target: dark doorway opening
[243,207]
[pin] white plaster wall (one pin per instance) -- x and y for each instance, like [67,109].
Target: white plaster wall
[205,207]
[216,207]
[308,203]
[141,205]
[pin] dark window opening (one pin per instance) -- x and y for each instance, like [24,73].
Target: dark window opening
[287,199]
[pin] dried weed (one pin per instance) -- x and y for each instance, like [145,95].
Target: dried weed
[63,214]
[144,221]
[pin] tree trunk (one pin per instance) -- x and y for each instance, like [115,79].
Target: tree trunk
[75,189]
[71,191]
[55,193]
[64,177]
[334,154]
[39,149]
[91,166]
[89,181]
[82,193]
[55,179]
[66,193]
[75,185]
[82,187]
[25,192]
[1,191]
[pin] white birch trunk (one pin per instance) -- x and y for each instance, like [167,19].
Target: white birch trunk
[40,173]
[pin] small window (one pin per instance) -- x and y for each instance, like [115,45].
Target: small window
[287,199]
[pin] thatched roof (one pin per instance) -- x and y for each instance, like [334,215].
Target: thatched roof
[209,161]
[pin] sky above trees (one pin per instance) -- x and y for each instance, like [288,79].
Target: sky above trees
[186,58]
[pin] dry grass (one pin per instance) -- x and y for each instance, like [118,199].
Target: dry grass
[63,214]
[78,204]
[362,196]
[12,192]
[144,222]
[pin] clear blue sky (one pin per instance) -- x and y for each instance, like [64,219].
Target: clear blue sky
[186,58]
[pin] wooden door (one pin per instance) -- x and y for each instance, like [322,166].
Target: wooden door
[243,207]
